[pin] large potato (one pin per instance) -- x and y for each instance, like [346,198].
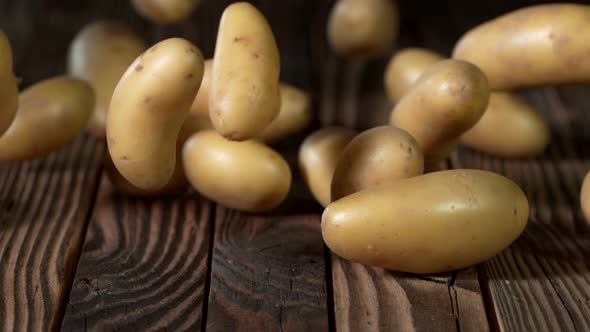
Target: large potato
[376,156]
[509,128]
[405,68]
[294,115]
[534,46]
[247,176]
[8,85]
[100,53]
[244,87]
[165,11]
[50,115]
[148,109]
[433,223]
[363,29]
[318,156]
[200,105]
[449,98]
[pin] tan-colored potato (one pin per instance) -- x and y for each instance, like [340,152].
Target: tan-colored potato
[8,85]
[376,156]
[585,197]
[50,115]
[363,29]
[432,223]
[509,128]
[148,109]
[318,156]
[244,88]
[534,46]
[100,53]
[165,11]
[448,99]
[294,115]
[247,176]
[201,103]
[405,68]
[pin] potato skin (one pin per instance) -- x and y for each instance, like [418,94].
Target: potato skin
[448,99]
[8,85]
[100,53]
[318,156]
[200,105]
[405,68]
[585,197]
[376,156]
[509,128]
[144,118]
[363,29]
[165,11]
[247,176]
[294,115]
[244,88]
[534,46]
[51,114]
[432,223]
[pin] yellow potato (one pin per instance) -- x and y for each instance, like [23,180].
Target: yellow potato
[534,46]
[165,11]
[294,115]
[447,100]
[244,88]
[405,68]
[8,85]
[247,176]
[363,29]
[201,103]
[148,109]
[100,53]
[376,156]
[585,197]
[509,128]
[432,223]
[51,114]
[318,157]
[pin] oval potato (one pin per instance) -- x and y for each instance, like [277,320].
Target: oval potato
[8,85]
[432,223]
[405,68]
[50,115]
[585,197]
[148,109]
[244,92]
[165,11]
[294,115]
[378,155]
[247,176]
[200,105]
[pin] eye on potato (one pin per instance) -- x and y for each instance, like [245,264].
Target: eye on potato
[8,85]
[165,11]
[294,115]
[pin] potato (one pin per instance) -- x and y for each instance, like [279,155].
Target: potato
[148,109]
[448,99]
[294,115]
[201,103]
[363,29]
[165,11]
[244,88]
[50,115]
[378,155]
[405,68]
[247,176]
[100,53]
[318,156]
[534,46]
[432,223]
[509,128]
[585,197]
[8,85]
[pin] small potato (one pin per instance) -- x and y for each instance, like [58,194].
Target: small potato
[405,68]
[100,53]
[51,114]
[378,155]
[294,115]
[363,29]
[165,11]
[201,103]
[448,99]
[8,85]
[585,197]
[318,157]
[534,46]
[244,88]
[509,128]
[247,176]
[148,109]
[432,223]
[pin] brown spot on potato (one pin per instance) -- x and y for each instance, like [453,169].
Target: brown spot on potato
[191,50]
[112,141]
[240,39]
[147,99]
[124,157]
[139,67]
[189,76]
[256,55]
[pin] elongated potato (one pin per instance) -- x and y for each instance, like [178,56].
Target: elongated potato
[509,128]
[318,156]
[363,29]
[148,109]
[247,176]
[200,105]
[534,46]
[378,155]
[294,115]
[585,197]
[8,85]
[244,88]
[165,11]
[433,223]
[448,99]
[51,114]
[100,53]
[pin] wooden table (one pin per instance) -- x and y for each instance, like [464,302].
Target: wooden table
[74,255]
